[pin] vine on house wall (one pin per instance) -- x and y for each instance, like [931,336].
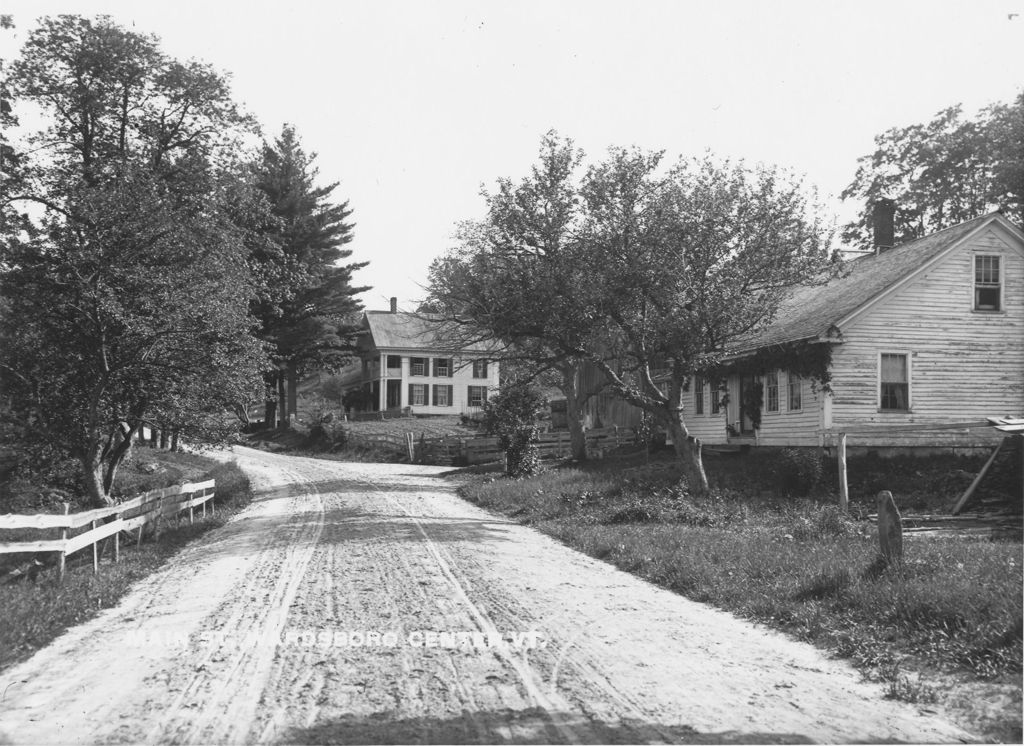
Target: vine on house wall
[807,359]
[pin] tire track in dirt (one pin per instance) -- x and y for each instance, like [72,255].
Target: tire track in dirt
[550,702]
[235,660]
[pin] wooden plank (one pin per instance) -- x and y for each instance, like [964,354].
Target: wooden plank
[196,486]
[977,480]
[913,428]
[16,521]
[44,545]
[137,521]
[91,537]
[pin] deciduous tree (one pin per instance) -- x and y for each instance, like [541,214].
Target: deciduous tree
[650,275]
[128,285]
[943,172]
[513,276]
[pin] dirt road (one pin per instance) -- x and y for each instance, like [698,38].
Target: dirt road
[366,603]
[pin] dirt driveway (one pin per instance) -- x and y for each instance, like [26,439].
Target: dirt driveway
[366,603]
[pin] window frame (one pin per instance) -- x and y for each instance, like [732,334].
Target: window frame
[768,388]
[443,363]
[421,361]
[469,396]
[716,399]
[999,286]
[449,394]
[419,387]
[799,381]
[480,371]
[908,357]
[698,395]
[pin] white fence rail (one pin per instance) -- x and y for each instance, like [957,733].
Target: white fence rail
[154,508]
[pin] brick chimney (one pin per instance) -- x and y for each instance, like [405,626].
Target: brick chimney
[883,215]
[394,305]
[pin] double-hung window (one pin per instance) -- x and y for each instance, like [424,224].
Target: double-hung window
[479,369]
[988,287]
[771,391]
[795,399]
[716,399]
[698,395]
[442,395]
[442,367]
[477,396]
[418,395]
[419,366]
[894,382]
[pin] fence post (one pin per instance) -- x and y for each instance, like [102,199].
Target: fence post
[844,490]
[63,554]
[159,516]
[117,541]
[95,553]
[213,507]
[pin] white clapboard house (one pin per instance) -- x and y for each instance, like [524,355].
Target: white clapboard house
[408,365]
[927,332]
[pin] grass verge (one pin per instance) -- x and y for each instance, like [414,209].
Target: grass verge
[36,612]
[953,607]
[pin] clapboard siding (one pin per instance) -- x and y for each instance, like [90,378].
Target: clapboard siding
[785,428]
[710,428]
[965,364]
[460,380]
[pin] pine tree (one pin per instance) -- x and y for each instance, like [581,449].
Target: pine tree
[309,305]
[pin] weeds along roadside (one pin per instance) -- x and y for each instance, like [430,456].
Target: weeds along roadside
[797,565]
[35,613]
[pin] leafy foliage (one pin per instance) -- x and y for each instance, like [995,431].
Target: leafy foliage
[943,172]
[647,276]
[512,416]
[127,287]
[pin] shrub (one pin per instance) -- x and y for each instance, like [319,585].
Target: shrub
[799,470]
[233,486]
[512,416]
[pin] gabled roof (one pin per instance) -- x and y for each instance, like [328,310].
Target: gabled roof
[393,331]
[811,311]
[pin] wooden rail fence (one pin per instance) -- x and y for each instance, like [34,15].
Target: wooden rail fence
[149,508]
[481,450]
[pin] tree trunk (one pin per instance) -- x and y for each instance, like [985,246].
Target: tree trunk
[689,452]
[574,413]
[293,390]
[164,442]
[174,440]
[92,473]
[282,401]
[269,414]
[154,436]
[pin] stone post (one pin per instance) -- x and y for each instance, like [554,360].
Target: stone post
[890,529]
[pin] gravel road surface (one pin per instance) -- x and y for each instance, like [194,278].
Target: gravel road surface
[363,603]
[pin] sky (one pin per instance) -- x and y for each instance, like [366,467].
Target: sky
[412,107]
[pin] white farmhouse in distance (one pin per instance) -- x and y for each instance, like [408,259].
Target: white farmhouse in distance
[406,365]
